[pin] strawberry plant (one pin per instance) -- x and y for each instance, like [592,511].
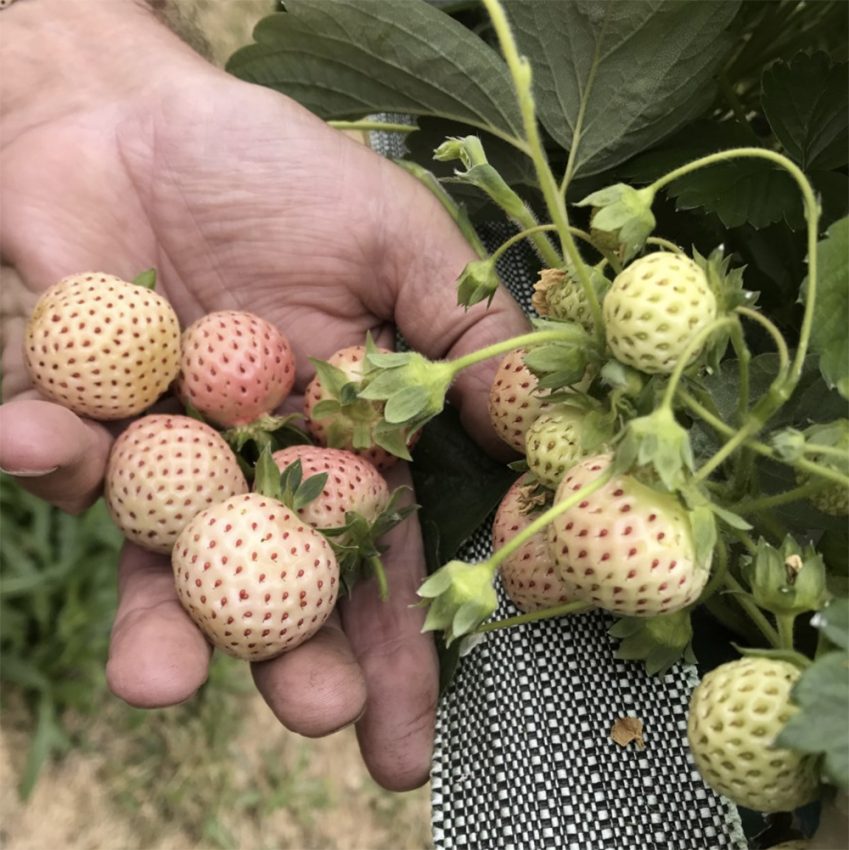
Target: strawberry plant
[687,211]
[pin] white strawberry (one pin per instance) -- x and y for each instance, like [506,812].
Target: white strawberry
[529,575]
[514,401]
[163,470]
[654,308]
[235,367]
[102,347]
[736,713]
[353,484]
[255,578]
[625,548]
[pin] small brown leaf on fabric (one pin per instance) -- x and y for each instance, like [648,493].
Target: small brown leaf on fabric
[627,729]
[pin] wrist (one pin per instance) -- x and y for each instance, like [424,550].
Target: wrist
[61,56]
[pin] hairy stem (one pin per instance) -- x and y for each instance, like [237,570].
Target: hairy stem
[534,616]
[755,614]
[785,498]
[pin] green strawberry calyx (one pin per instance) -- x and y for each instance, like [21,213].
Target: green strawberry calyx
[659,641]
[625,212]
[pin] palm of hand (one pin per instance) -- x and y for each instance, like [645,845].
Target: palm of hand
[238,204]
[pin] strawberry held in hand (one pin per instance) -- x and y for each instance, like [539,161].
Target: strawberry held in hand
[654,308]
[625,548]
[101,346]
[514,402]
[235,367]
[352,484]
[255,578]
[162,471]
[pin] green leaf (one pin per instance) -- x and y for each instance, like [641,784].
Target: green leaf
[831,310]
[349,58]
[739,191]
[799,100]
[457,485]
[614,78]
[822,693]
[833,622]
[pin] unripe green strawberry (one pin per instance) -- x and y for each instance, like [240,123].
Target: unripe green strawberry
[350,426]
[162,471]
[736,713]
[235,367]
[353,484]
[529,575]
[255,578]
[625,548]
[833,499]
[654,308]
[553,443]
[558,296]
[101,346]
[514,402]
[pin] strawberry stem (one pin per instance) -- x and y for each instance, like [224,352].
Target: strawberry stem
[520,71]
[380,575]
[788,496]
[546,517]
[507,345]
[533,616]
[755,614]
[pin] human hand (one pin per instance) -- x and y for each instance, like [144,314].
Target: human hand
[139,154]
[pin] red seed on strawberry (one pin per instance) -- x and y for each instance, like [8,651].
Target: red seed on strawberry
[101,346]
[162,471]
[235,367]
[254,577]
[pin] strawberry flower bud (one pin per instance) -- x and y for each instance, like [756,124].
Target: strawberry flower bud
[477,281]
[789,580]
[459,597]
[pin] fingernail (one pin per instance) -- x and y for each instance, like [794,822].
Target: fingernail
[29,473]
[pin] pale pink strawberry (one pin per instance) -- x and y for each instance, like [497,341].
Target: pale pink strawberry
[235,367]
[529,575]
[351,426]
[102,347]
[162,471]
[353,484]
[255,578]
[625,548]
[514,401]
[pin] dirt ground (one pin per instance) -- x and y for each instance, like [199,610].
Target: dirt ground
[279,792]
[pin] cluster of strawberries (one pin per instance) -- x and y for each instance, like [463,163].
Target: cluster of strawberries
[252,568]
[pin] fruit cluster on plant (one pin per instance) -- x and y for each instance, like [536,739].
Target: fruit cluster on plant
[261,541]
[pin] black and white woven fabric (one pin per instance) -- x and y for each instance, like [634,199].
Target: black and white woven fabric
[523,757]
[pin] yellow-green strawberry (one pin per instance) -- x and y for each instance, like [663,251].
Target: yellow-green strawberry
[559,296]
[514,400]
[163,470]
[553,443]
[654,308]
[353,484]
[256,578]
[736,713]
[529,575]
[101,346]
[625,548]
[235,367]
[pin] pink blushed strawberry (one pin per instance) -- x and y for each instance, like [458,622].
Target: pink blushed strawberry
[255,578]
[514,401]
[353,484]
[625,548]
[101,346]
[529,575]
[162,471]
[235,367]
[336,419]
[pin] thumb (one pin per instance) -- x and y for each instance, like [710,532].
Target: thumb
[54,454]
[425,252]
